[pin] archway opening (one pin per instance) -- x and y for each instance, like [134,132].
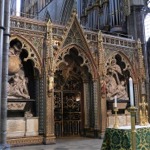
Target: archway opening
[69,95]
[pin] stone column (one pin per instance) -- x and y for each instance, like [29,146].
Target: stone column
[96,105]
[86,104]
[3,138]
[49,113]
[1,53]
[49,88]
[41,105]
[96,108]
[103,110]
[102,84]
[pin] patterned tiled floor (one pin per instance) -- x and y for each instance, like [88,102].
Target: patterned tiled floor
[77,143]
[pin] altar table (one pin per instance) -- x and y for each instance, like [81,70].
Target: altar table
[120,139]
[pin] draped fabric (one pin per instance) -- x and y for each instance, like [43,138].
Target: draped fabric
[121,139]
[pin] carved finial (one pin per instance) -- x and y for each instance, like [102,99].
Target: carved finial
[100,39]
[141,61]
[49,22]
[75,7]
[139,43]
[48,28]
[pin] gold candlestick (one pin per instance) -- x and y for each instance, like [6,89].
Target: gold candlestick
[132,111]
[116,125]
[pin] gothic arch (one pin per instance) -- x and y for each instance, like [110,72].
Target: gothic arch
[124,59]
[33,54]
[86,56]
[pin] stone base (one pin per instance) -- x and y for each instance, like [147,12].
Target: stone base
[22,127]
[25,141]
[123,120]
[50,140]
[32,127]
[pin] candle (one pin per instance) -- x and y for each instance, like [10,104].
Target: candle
[115,101]
[131,92]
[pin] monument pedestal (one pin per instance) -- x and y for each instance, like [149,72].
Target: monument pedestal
[123,120]
[123,115]
[22,127]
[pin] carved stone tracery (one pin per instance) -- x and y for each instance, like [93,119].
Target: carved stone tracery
[32,53]
[60,43]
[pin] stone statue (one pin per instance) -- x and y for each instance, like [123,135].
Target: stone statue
[115,69]
[17,88]
[113,84]
[121,91]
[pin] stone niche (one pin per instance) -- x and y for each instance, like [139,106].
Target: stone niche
[22,127]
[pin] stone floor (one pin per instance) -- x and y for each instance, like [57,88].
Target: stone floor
[76,143]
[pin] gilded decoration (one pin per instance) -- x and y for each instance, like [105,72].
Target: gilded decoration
[32,31]
[143,112]
[141,61]
[117,65]
[74,62]
[74,37]
[113,59]
[74,34]
[26,141]
[101,54]
[86,60]
[49,74]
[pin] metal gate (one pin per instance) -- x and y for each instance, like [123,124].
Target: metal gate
[67,111]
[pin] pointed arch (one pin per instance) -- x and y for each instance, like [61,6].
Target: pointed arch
[74,34]
[33,54]
[86,56]
[74,37]
[125,60]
